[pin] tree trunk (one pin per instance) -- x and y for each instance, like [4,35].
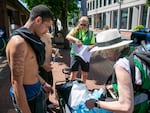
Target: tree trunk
[64,23]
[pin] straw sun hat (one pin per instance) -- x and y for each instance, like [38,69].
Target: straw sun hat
[110,39]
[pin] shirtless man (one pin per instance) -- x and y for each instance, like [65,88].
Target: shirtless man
[25,52]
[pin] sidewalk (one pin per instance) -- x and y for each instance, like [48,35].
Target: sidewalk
[5,100]
[97,77]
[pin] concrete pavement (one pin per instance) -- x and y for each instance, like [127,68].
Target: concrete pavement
[5,100]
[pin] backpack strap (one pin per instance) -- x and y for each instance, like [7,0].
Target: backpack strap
[132,68]
[144,57]
[112,78]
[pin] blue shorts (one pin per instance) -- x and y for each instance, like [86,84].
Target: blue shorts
[37,104]
[77,61]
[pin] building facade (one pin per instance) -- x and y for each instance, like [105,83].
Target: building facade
[13,14]
[121,14]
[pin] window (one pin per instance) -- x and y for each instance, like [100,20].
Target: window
[130,18]
[105,2]
[90,5]
[93,4]
[96,3]
[115,19]
[144,16]
[115,1]
[109,2]
[104,19]
[123,20]
[100,3]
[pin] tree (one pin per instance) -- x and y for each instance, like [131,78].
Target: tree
[148,2]
[60,8]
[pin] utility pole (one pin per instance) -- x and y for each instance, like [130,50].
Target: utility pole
[83,8]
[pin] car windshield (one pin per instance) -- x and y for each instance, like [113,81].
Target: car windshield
[146,30]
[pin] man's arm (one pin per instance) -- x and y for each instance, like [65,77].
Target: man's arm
[46,38]
[16,55]
[47,87]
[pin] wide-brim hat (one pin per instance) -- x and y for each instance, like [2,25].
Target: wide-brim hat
[110,39]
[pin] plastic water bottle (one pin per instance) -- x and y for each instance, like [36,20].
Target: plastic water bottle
[97,93]
[55,56]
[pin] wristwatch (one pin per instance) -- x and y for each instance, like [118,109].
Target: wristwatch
[97,104]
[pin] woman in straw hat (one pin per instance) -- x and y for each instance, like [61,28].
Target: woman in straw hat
[111,48]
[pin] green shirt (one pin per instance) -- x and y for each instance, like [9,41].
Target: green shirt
[85,36]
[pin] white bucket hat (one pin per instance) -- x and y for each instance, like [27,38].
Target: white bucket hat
[109,39]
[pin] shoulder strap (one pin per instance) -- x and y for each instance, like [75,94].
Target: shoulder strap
[112,78]
[132,68]
[144,57]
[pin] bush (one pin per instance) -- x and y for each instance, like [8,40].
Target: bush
[138,27]
[106,27]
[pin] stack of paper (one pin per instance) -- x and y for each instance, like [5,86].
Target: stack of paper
[83,52]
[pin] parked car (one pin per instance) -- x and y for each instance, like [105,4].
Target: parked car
[139,35]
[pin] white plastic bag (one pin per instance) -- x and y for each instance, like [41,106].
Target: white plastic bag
[79,93]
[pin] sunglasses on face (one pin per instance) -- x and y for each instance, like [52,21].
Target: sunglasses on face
[83,25]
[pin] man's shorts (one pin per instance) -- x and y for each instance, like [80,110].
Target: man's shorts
[77,61]
[37,104]
[47,76]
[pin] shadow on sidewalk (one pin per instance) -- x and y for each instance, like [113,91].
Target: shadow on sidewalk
[5,100]
[100,68]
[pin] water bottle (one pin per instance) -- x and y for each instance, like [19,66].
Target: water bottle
[55,56]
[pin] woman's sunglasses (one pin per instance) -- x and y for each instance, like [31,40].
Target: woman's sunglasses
[83,25]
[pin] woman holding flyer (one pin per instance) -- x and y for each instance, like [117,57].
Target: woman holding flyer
[80,36]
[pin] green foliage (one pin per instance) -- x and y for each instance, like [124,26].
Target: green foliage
[106,27]
[57,6]
[138,27]
[148,2]
[60,8]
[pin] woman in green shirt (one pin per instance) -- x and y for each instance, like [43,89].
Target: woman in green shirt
[80,35]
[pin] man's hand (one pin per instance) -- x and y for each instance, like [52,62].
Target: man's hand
[90,103]
[47,88]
